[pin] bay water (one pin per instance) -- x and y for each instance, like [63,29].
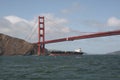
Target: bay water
[85,67]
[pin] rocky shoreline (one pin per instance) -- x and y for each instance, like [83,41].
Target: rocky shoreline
[15,46]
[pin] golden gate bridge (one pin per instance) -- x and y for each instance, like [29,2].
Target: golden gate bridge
[41,36]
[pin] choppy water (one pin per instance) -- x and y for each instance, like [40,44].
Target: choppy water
[87,67]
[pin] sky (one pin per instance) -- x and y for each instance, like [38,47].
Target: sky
[63,18]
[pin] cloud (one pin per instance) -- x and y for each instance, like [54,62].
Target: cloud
[54,24]
[3,23]
[110,24]
[73,8]
[94,23]
[15,26]
[113,21]
[55,27]
[15,19]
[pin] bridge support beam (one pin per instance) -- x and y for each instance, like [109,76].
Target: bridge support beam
[100,34]
[41,36]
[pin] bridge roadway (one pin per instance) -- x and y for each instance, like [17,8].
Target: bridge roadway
[100,34]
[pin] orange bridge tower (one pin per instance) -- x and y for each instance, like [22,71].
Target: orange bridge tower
[41,36]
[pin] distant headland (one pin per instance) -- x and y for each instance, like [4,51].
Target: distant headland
[15,46]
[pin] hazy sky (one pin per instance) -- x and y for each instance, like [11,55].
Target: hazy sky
[63,18]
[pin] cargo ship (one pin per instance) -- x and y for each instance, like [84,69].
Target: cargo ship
[66,53]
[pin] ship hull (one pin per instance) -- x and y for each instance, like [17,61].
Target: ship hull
[65,53]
